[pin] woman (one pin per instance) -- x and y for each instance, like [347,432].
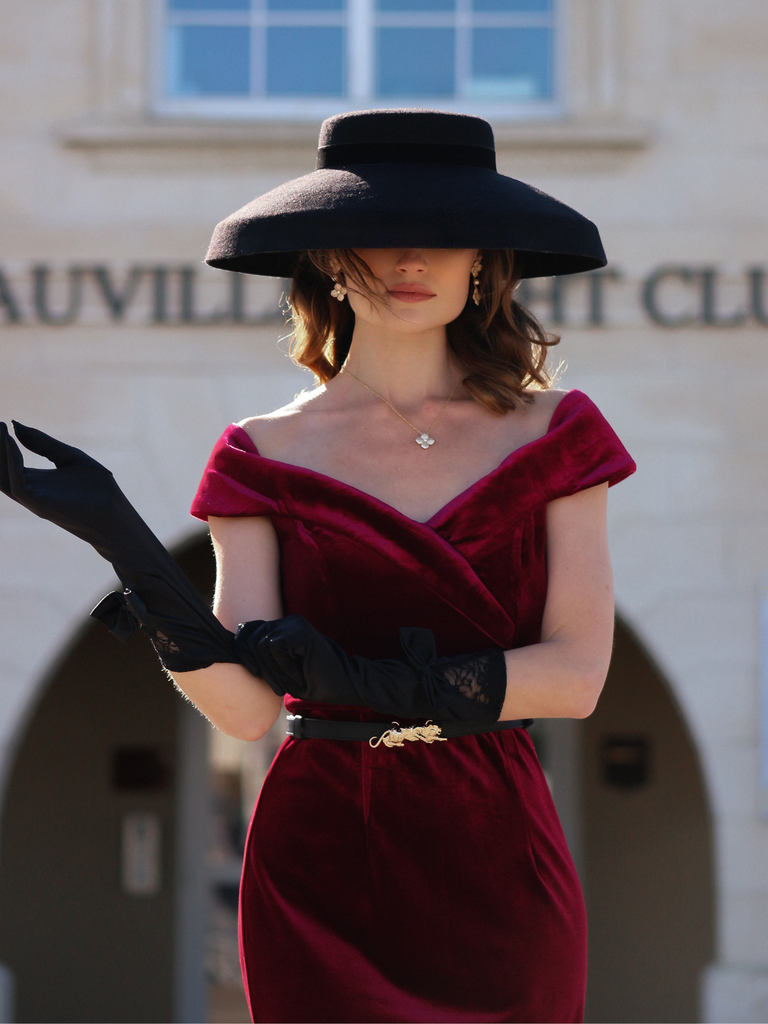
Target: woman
[414,604]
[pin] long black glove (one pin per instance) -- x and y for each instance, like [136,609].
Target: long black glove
[294,658]
[81,496]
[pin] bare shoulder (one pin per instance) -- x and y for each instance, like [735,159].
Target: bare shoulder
[542,408]
[280,427]
[545,402]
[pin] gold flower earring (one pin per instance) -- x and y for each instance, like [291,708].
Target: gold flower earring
[338,291]
[477,266]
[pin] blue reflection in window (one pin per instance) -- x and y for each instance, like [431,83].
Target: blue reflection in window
[517,6]
[415,5]
[210,5]
[415,62]
[305,5]
[511,64]
[208,60]
[305,61]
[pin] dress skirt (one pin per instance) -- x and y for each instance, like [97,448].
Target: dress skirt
[423,883]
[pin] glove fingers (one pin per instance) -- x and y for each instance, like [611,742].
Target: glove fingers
[293,636]
[282,669]
[5,478]
[12,472]
[49,447]
[259,659]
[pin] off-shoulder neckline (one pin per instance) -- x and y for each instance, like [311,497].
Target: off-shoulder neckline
[442,513]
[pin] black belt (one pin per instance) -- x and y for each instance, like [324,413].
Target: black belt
[391,734]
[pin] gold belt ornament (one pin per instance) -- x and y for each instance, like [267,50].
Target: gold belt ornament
[428,733]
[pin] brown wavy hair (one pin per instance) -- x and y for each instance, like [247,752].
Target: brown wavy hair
[500,345]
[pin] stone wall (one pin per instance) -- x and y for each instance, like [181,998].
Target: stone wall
[665,146]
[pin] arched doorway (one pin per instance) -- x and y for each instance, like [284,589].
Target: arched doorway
[633,803]
[102,877]
[111,743]
[647,849]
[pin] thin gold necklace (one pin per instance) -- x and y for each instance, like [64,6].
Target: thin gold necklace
[424,439]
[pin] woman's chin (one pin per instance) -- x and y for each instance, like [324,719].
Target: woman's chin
[414,325]
[417,318]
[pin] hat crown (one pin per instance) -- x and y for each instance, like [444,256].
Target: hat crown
[405,127]
[405,177]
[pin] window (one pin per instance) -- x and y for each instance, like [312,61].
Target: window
[241,57]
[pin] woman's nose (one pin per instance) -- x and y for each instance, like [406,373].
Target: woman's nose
[412,261]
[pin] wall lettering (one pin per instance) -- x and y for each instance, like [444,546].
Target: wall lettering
[8,301]
[117,299]
[161,294]
[669,296]
[71,309]
[652,302]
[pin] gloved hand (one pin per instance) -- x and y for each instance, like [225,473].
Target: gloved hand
[81,496]
[294,658]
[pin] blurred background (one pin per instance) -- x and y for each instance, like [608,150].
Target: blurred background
[128,128]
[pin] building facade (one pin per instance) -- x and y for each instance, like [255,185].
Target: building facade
[129,128]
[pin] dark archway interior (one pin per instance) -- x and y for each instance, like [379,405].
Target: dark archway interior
[646,847]
[100,746]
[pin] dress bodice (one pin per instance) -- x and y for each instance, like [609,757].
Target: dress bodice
[475,573]
[461,836]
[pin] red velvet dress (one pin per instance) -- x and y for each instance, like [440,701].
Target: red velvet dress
[428,883]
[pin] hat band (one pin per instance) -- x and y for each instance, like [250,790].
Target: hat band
[341,156]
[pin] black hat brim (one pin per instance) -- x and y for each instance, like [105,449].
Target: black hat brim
[382,206]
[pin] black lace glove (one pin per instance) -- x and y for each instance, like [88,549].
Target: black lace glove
[294,658]
[81,496]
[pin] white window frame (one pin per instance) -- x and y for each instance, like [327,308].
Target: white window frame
[360,77]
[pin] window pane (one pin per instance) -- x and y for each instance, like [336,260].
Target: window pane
[210,5]
[511,63]
[305,61]
[208,60]
[305,5]
[415,5]
[526,6]
[415,61]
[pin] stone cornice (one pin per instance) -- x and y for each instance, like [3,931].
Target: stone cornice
[158,133]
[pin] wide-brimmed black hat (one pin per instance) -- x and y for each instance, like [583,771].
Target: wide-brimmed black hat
[417,178]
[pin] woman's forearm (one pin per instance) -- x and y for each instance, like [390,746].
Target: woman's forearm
[554,679]
[247,589]
[236,702]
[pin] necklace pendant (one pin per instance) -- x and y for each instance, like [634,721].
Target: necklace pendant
[425,440]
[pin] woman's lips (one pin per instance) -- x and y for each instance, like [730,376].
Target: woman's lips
[406,294]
